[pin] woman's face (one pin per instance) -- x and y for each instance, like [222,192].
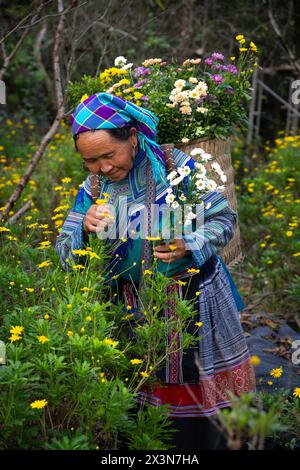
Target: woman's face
[105,155]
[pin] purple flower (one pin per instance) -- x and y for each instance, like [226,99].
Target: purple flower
[232,69]
[220,67]
[141,71]
[140,83]
[229,90]
[208,61]
[217,56]
[199,100]
[144,98]
[217,78]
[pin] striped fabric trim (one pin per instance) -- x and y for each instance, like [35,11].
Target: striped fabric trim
[203,399]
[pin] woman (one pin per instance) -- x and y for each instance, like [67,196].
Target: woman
[118,142]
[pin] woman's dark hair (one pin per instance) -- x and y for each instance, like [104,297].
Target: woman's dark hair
[120,133]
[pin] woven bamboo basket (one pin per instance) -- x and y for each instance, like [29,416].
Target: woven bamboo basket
[221,149]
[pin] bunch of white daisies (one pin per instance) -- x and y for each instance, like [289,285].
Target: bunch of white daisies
[199,183]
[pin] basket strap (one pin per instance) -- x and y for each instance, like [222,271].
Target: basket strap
[168,150]
[95,187]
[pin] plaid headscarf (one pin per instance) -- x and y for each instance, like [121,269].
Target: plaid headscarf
[106,111]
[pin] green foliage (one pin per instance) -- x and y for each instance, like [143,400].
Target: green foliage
[269,220]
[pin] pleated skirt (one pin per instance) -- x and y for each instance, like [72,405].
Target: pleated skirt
[195,382]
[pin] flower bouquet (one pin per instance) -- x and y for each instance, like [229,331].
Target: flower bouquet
[193,99]
[185,194]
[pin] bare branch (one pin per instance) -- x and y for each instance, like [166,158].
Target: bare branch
[60,110]
[277,31]
[19,213]
[8,58]
[38,57]
[56,15]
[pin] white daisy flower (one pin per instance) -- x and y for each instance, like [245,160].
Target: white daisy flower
[201,184]
[120,60]
[185,140]
[194,94]
[223,178]
[177,180]
[182,197]
[216,167]
[193,80]
[179,97]
[188,222]
[170,198]
[201,110]
[221,188]
[169,190]
[208,205]
[211,185]
[175,205]
[201,168]
[172,175]
[201,88]
[191,215]
[184,170]
[127,66]
[197,151]
[206,156]
[179,83]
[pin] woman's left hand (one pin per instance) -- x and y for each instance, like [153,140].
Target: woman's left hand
[172,251]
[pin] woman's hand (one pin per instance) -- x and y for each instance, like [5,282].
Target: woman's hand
[98,218]
[172,251]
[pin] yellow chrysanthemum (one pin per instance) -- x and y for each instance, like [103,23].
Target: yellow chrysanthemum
[110,342]
[42,339]
[78,267]
[239,37]
[39,404]
[296,392]
[136,361]
[70,333]
[144,374]
[253,47]
[14,338]
[44,264]
[101,201]
[172,247]
[80,252]
[84,97]
[255,360]
[16,330]
[276,372]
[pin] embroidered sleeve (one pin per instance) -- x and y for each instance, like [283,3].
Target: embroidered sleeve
[216,229]
[71,234]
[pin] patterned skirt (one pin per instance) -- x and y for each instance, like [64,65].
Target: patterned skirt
[194,382]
